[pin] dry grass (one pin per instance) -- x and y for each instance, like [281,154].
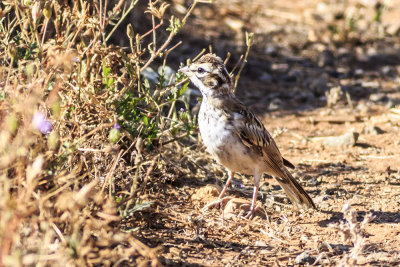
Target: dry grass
[81,130]
[352,231]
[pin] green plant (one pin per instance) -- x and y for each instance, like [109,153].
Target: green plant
[79,117]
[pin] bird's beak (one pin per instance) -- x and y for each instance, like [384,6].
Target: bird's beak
[184,69]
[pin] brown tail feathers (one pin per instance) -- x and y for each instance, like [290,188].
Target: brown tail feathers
[297,195]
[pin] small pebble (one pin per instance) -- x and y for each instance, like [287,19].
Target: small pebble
[345,140]
[377,97]
[373,130]
[260,243]
[266,78]
[314,182]
[275,104]
[304,258]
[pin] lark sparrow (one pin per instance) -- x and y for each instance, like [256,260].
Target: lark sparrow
[235,136]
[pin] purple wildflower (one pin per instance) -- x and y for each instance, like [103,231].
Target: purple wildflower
[41,124]
[116,126]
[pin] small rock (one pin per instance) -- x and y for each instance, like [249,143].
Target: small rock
[299,75]
[340,248]
[345,140]
[150,75]
[289,78]
[237,206]
[280,67]
[314,182]
[393,29]
[370,84]
[325,247]
[234,24]
[318,84]
[275,104]
[330,191]
[266,78]
[237,183]
[260,243]
[304,96]
[323,8]
[206,193]
[312,36]
[271,50]
[333,95]
[387,70]
[373,130]
[343,52]
[325,58]
[174,251]
[321,198]
[234,207]
[359,72]
[304,258]
[362,107]
[168,72]
[392,102]
[377,97]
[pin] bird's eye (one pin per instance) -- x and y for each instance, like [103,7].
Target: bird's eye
[200,70]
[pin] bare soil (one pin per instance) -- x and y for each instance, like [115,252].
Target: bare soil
[365,175]
[288,79]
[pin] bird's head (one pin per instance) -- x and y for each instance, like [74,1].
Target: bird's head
[209,74]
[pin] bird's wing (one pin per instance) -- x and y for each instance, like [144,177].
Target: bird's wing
[254,135]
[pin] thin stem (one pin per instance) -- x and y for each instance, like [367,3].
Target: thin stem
[9,71]
[154,33]
[249,43]
[153,29]
[104,20]
[241,68]
[172,48]
[44,31]
[101,12]
[169,39]
[175,139]
[236,65]
[228,56]
[121,19]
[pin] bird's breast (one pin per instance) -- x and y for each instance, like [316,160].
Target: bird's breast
[218,135]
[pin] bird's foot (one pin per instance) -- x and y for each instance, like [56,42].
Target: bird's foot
[254,211]
[219,203]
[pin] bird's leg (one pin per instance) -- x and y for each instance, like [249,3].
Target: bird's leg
[253,207]
[218,203]
[230,177]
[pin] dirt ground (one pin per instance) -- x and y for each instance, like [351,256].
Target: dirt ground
[306,55]
[365,175]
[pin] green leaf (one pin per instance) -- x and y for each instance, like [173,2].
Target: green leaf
[110,82]
[106,71]
[175,25]
[140,207]
[145,120]
[183,89]
[146,84]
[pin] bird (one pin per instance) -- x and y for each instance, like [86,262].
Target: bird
[235,137]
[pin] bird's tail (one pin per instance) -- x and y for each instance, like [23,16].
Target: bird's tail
[297,195]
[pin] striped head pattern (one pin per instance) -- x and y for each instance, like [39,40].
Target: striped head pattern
[209,74]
